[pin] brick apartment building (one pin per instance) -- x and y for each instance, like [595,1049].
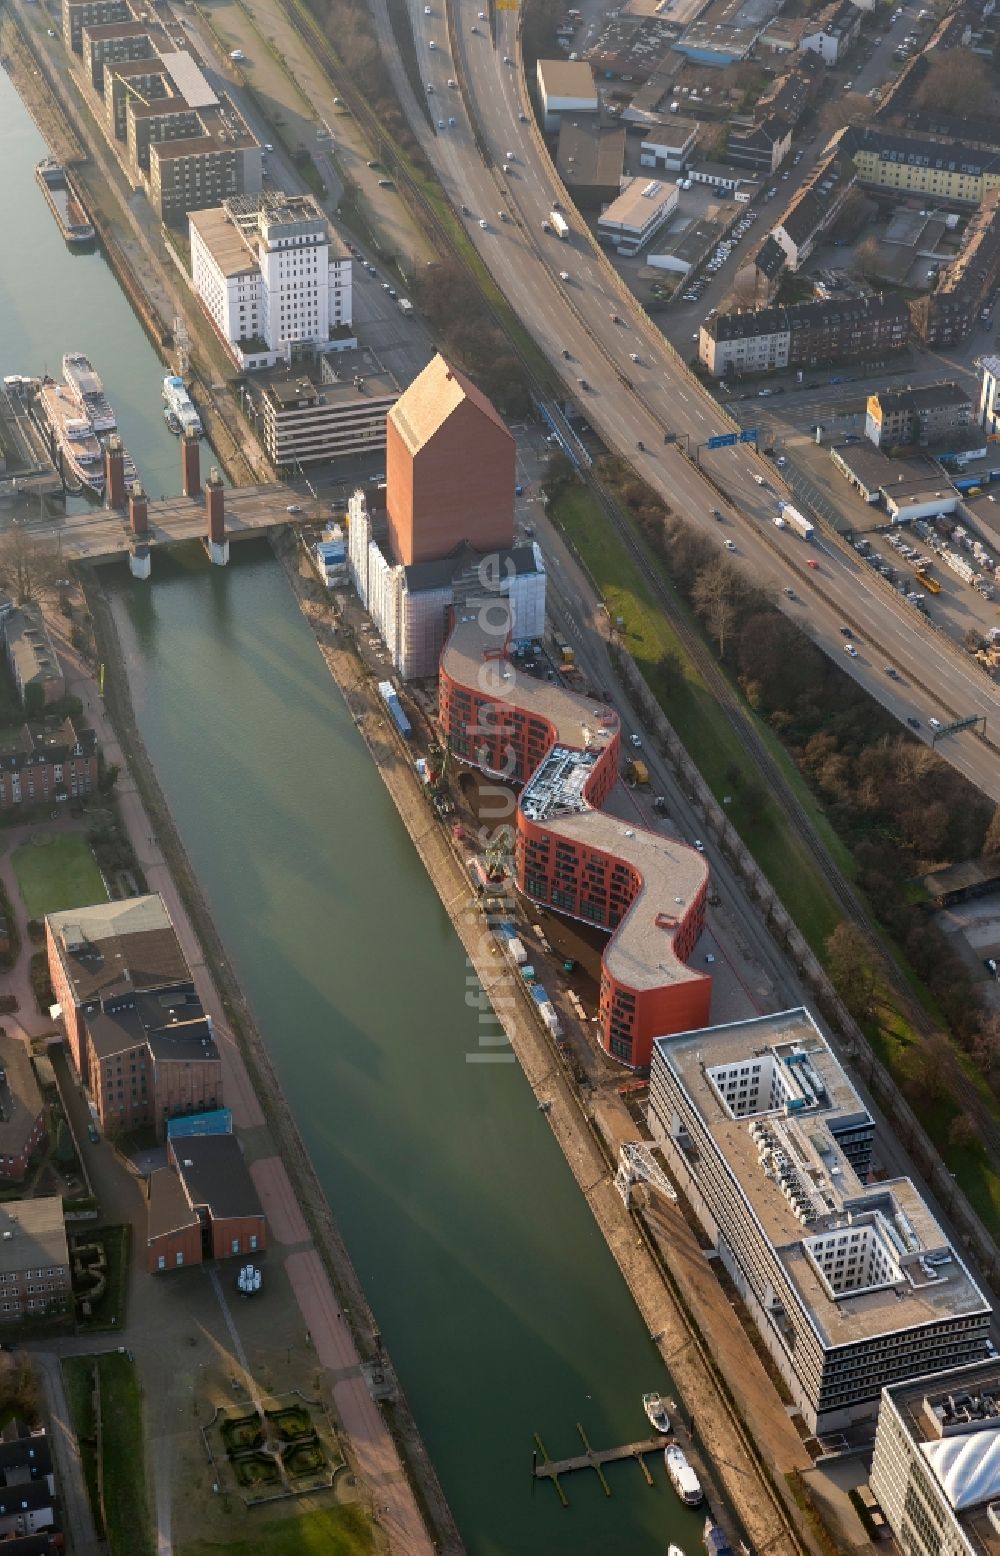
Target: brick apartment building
[136,1029]
[950,312]
[34,1259]
[570,855]
[22,1111]
[762,340]
[204,1205]
[46,762]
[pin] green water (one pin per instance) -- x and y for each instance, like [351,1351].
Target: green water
[502,1308]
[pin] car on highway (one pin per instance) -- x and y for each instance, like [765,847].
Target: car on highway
[633,356]
[813,564]
[268,146]
[92,1134]
[583,383]
[568,355]
[483,222]
[635,740]
[522,116]
[846,632]
[913,723]
[427,10]
[432,44]
[781,461]
[453,83]
[935,723]
[564,275]
[790,593]
[507,60]
[452,123]
[759,479]
[850,649]
[293,507]
[441,124]
[730,545]
[699,845]
[717,516]
[430,86]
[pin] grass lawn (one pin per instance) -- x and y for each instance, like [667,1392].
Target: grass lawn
[129,1531]
[59,872]
[334,1531]
[702,725]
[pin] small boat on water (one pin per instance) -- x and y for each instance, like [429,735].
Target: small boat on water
[682,1477]
[64,202]
[656,1413]
[76,439]
[714,1539]
[180,405]
[674,1550]
[80,376]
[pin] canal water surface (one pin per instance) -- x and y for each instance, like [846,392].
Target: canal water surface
[500,1304]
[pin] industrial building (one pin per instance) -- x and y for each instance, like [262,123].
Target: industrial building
[311,418]
[203,1205]
[30,652]
[78,14]
[630,221]
[273,277]
[668,145]
[762,340]
[411,606]
[936,1467]
[203,169]
[953,308]
[448,521]
[564,86]
[852,1286]
[141,1042]
[112,42]
[46,762]
[139,81]
[34,1259]
[450,469]
[590,158]
[922,415]
[563,751]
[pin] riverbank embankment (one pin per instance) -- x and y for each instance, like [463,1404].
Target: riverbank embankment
[712,1361]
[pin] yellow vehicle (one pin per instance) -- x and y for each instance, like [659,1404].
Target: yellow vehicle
[637,773]
[928,582]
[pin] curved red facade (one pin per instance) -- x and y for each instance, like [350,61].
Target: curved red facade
[649,891]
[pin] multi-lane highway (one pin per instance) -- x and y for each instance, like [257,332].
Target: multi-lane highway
[629,401]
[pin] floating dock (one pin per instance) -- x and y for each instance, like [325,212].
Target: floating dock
[592,1459]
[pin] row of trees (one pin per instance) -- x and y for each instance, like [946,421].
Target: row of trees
[894,802]
[468,334]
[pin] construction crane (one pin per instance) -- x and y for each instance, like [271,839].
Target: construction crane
[637,1164]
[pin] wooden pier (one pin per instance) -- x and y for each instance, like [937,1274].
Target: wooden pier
[592,1459]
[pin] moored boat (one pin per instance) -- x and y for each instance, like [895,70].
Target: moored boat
[80,376]
[64,202]
[179,404]
[76,439]
[682,1477]
[674,1550]
[656,1414]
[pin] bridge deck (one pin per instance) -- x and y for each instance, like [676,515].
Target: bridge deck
[100,535]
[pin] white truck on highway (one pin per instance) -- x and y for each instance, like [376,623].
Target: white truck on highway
[797,521]
[405,307]
[559,224]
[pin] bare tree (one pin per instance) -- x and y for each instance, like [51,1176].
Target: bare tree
[851,967]
[956,79]
[29,565]
[991,842]
[868,259]
[714,598]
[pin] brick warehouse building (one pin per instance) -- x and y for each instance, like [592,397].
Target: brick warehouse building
[203,1206]
[649,891]
[139,1037]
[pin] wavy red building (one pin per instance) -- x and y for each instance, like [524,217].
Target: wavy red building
[562,749]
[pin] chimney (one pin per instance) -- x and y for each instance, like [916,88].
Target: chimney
[138,511]
[190,467]
[114,472]
[215,508]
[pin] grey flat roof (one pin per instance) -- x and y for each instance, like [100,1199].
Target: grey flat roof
[568,78]
[37,1234]
[20,1097]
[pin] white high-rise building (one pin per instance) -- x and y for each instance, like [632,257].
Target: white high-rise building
[989,395]
[273,277]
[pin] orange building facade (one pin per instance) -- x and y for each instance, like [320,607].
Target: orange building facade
[647,890]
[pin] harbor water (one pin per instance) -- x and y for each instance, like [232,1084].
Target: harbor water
[498,1300]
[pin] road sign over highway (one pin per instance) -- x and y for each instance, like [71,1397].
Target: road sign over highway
[724,440]
[749,435]
[959,724]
